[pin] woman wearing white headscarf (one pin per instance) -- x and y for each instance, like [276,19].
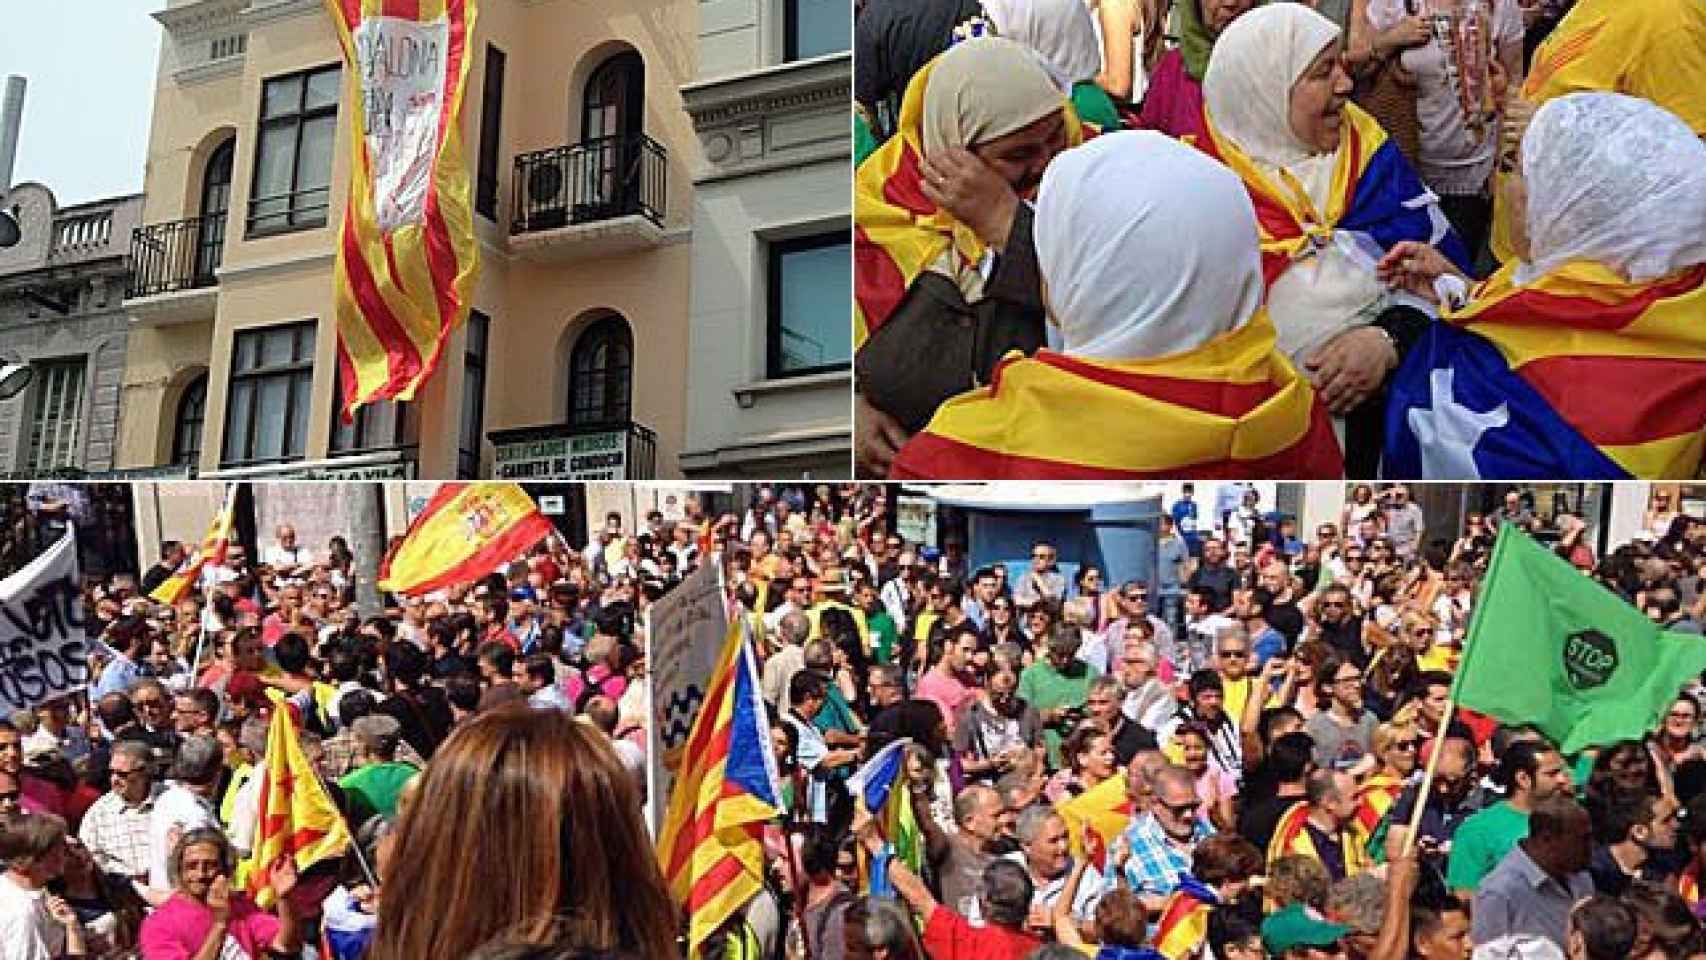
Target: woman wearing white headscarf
[1602,312]
[1063,34]
[1167,365]
[1332,193]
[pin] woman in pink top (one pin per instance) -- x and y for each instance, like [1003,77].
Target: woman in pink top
[1172,104]
[205,919]
[1216,788]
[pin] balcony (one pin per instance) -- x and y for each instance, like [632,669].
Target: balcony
[173,270]
[597,198]
[610,451]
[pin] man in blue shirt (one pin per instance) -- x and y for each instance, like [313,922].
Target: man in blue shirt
[1171,556]
[128,635]
[1184,511]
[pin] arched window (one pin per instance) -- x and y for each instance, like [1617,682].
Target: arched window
[192,414]
[614,99]
[601,369]
[215,203]
[612,110]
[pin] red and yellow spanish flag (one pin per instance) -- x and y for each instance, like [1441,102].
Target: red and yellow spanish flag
[406,257]
[1232,408]
[466,531]
[897,231]
[1095,817]
[1375,796]
[1183,927]
[1292,839]
[295,816]
[212,550]
[1642,346]
[727,789]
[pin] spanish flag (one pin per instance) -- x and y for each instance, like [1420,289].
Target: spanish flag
[212,550]
[1095,817]
[295,816]
[1183,927]
[897,232]
[1233,408]
[727,789]
[1516,358]
[1374,194]
[406,255]
[466,531]
[1291,838]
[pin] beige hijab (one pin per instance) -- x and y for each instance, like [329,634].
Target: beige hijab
[983,89]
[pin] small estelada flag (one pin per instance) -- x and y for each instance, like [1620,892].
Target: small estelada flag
[466,531]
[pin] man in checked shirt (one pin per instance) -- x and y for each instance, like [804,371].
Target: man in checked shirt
[115,829]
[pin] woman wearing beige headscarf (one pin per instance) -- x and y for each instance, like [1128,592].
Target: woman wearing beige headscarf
[1332,193]
[945,277]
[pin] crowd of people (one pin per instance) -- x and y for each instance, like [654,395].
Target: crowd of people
[1066,209]
[1261,710]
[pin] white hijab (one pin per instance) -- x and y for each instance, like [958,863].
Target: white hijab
[1613,179]
[1146,246]
[1062,32]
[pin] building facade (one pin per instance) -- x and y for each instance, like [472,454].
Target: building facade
[62,312]
[573,362]
[770,390]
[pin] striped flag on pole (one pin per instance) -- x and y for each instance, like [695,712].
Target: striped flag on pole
[295,816]
[406,256]
[211,550]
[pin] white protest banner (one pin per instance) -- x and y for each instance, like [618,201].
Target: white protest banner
[684,634]
[43,647]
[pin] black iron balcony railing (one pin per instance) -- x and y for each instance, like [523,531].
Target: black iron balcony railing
[598,179]
[181,255]
[622,450]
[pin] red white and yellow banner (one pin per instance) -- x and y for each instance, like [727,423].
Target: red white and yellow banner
[212,549]
[406,257]
[466,531]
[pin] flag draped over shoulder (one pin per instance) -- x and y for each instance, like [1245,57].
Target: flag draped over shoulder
[1496,392]
[212,550]
[1375,196]
[407,256]
[466,531]
[1548,646]
[1375,796]
[898,232]
[1232,408]
[1095,817]
[1291,838]
[726,790]
[1183,927]
[295,816]
[880,785]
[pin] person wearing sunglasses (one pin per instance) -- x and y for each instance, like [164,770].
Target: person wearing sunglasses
[1340,625]
[1163,840]
[1043,581]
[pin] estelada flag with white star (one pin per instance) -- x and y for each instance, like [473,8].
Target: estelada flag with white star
[295,815]
[1576,373]
[407,256]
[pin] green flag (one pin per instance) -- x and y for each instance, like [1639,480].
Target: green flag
[1550,647]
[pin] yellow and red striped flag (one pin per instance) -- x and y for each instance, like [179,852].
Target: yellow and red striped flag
[725,792]
[407,256]
[1232,408]
[1183,927]
[1095,817]
[295,816]
[1374,797]
[466,531]
[211,550]
[1292,839]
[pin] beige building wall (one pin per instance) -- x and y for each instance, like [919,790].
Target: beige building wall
[539,290]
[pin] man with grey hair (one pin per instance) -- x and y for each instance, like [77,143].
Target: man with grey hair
[779,670]
[1045,850]
[1163,839]
[977,813]
[379,777]
[252,746]
[115,828]
[1058,686]
[186,804]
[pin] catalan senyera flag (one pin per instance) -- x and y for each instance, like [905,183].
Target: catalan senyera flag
[1290,838]
[726,790]
[407,256]
[1095,817]
[211,550]
[466,531]
[1375,796]
[1232,408]
[1183,927]
[897,232]
[295,816]
[1496,390]
[1375,196]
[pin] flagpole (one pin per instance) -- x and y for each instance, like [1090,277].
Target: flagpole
[227,504]
[354,839]
[1451,697]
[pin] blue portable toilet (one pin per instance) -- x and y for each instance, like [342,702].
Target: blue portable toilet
[1111,526]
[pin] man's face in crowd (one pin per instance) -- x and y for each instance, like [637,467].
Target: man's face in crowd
[1047,851]
[1513,503]
[11,794]
[1455,775]
[198,868]
[938,599]
[187,715]
[1214,553]
[1061,657]
[1176,806]
[1273,578]
[130,779]
[287,537]
[963,650]
[1021,156]
[1433,703]
[1347,688]
[1335,605]
[1195,606]
[1681,720]
[290,599]
[984,822]
[1448,940]
[987,588]
[1134,601]
[1103,705]
[152,707]
[1042,558]
[882,689]
[1662,828]
[11,752]
[799,592]
[1136,665]
[1551,777]
[1001,687]
[1234,656]
[1037,622]
[867,597]
[760,544]
[1341,803]
[1208,703]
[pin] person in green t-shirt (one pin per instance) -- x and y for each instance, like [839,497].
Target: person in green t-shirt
[1531,771]
[884,636]
[378,778]
[1058,687]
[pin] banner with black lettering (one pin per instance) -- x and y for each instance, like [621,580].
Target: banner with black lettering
[43,646]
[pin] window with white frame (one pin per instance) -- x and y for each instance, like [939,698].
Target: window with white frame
[56,414]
